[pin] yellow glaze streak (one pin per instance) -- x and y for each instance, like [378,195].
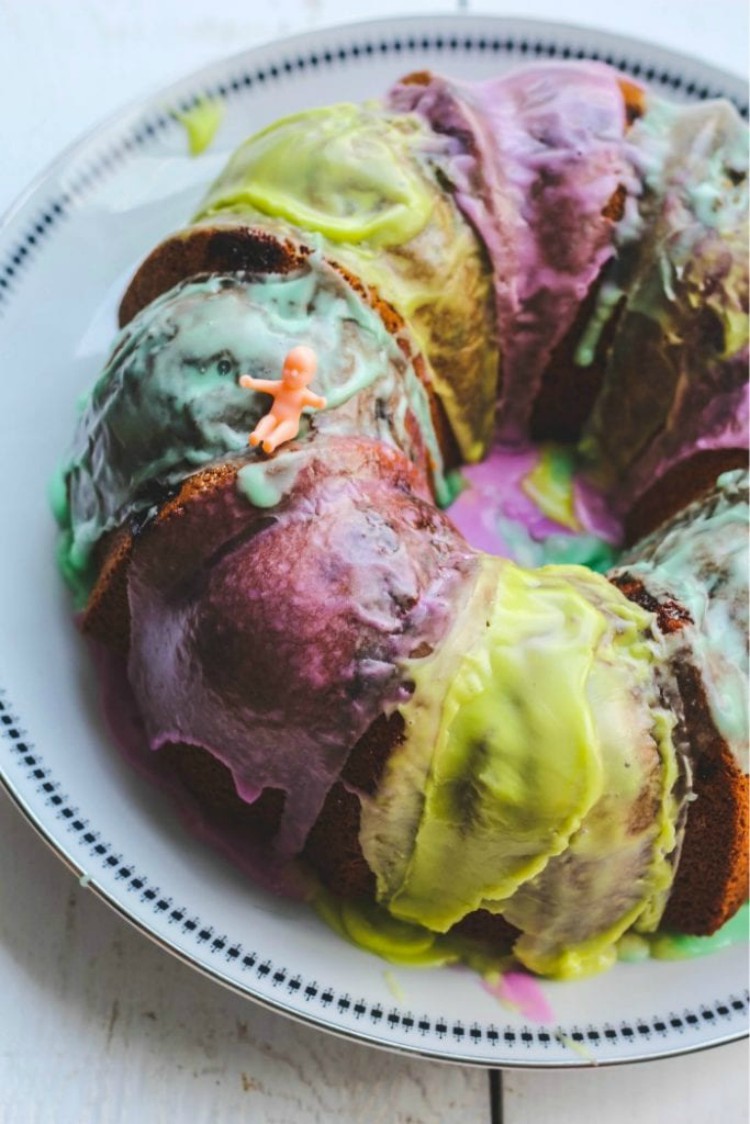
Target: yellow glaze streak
[201,124]
[550,485]
[515,766]
[615,872]
[360,184]
[541,788]
[336,171]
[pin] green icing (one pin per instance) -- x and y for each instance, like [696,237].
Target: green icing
[266,482]
[633,948]
[691,224]
[201,123]
[607,300]
[339,171]
[700,558]
[168,402]
[681,946]
[579,550]
[359,184]
[665,945]
[674,142]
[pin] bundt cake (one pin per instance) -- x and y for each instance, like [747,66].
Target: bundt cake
[517,727]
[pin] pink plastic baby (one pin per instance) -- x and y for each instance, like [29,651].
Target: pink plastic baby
[290,395]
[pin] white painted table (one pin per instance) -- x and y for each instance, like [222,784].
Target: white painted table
[97,1025]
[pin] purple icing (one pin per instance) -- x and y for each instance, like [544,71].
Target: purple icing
[494,497]
[537,156]
[234,840]
[274,638]
[496,515]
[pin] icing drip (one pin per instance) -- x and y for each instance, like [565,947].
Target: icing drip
[168,402]
[493,786]
[535,158]
[201,123]
[361,185]
[699,559]
[682,291]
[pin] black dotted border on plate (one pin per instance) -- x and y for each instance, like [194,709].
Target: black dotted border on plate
[583,1039]
[49,218]
[47,221]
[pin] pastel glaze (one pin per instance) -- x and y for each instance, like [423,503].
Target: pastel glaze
[341,171]
[169,403]
[530,804]
[681,299]
[201,123]
[359,183]
[529,504]
[535,158]
[699,559]
[650,217]
[230,650]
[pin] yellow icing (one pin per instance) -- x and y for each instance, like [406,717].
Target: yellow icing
[615,872]
[359,182]
[336,171]
[366,925]
[201,124]
[530,735]
[550,485]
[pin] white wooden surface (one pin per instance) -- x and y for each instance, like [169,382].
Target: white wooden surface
[99,1026]
[96,1024]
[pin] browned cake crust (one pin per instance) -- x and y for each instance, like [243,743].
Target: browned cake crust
[711,881]
[210,785]
[332,847]
[568,392]
[712,876]
[678,487]
[106,617]
[332,850]
[222,246]
[229,245]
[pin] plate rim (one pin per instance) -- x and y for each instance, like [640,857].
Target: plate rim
[575,1062]
[120,121]
[136,105]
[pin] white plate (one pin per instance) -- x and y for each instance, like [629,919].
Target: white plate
[66,250]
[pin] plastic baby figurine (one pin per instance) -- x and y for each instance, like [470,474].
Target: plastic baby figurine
[290,395]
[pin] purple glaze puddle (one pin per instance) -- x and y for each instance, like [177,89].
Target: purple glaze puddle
[234,842]
[496,515]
